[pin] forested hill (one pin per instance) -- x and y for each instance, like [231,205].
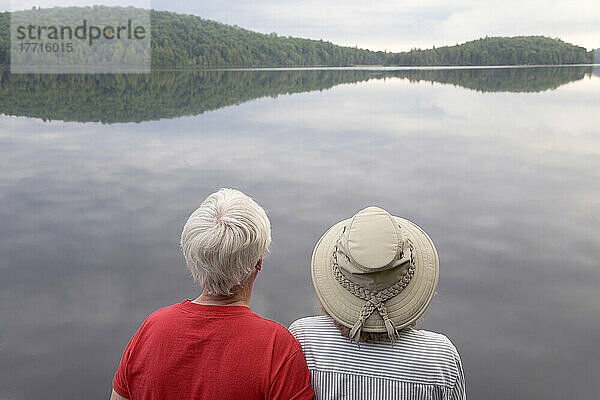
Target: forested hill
[180,40]
[189,40]
[518,50]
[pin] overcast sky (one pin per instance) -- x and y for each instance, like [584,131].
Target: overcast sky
[387,24]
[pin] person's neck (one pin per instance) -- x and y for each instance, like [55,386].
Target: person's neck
[239,298]
[211,300]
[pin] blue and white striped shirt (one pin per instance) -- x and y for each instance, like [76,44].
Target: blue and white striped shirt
[419,365]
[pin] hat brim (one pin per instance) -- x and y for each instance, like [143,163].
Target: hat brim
[403,309]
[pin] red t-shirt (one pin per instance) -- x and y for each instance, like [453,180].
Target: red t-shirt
[194,351]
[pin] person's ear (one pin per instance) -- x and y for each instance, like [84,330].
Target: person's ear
[259,265]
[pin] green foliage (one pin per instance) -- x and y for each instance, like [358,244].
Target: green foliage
[186,40]
[112,98]
[519,50]
[516,80]
[4,38]
[118,52]
[180,41]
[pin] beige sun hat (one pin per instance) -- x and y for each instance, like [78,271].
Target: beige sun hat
[375,272]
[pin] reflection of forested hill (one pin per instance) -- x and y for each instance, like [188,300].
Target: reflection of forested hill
[503,79]
[170,94]
[142,97]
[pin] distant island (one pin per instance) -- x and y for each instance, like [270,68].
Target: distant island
[180,41]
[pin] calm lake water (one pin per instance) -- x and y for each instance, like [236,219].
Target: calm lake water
[501,167]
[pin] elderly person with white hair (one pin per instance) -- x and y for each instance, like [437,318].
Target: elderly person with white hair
[215,347]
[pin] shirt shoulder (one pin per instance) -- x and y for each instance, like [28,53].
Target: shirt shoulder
[163,317]
[436,342]
[282,336]
[418,356]
[314,323]
[253,325]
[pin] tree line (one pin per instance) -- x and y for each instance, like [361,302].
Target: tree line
[180,40]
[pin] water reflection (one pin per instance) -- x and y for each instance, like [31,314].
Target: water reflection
[170,94]
[506,184]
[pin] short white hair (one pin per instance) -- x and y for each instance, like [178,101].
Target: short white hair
[224,239]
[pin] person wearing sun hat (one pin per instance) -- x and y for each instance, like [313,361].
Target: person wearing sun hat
[375,275]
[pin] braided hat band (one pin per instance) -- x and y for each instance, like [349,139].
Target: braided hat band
[374,299]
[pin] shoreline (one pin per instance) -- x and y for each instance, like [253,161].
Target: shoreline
[346,68]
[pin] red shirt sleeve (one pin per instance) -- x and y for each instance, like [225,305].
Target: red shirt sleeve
[292,380]
[120,384]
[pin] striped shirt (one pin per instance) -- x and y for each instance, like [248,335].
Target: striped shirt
[419,365]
